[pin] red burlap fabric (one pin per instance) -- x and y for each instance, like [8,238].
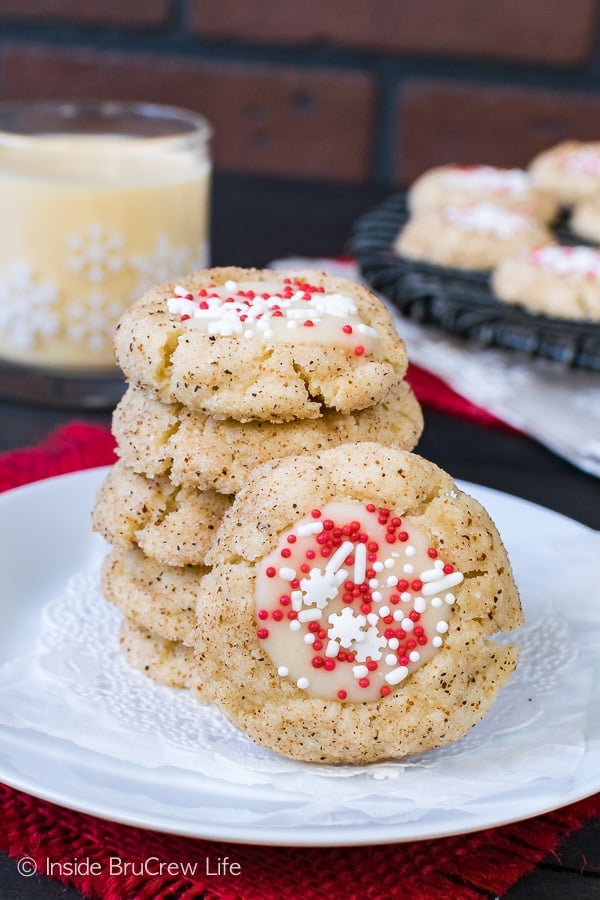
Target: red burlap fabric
[469,866]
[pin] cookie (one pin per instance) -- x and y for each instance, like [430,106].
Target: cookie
[173,525]
[167,662]
[460,185]
[469,237]
[253,344]
[160,598]
[585,219]
[355,591]
[554,280]
[195,449]
[569,170]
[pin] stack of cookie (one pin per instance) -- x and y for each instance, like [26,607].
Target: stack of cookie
[229,370]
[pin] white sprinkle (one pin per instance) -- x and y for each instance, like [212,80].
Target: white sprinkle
[268,333]
[360,563]
[393,643]
[414,656]
[420,605]
[449,598]
[389,563]
[392,581]
[340,576]
[410,550]
[377,596]
[373,583]
[309,638]
[339,556]
[360,671]
[391,659]
[333,648]
[447,581]
[441,627]
[283,671]
[396,675]
[436,602]
[310,615]
[437,641]
[407,624]
[302,683]
[398,615]
[431,575]
[297,600]
[378,566]
[408,569]
[295,625]
[248,333]
[287,574]
[309,528]
[366,330]
[230,285]
[405,596]
[384,611]
[372,618]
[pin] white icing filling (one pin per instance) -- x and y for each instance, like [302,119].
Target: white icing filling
[329,624]
[487,219]
[488,179]
[581,262]
[585,161]
[271,312]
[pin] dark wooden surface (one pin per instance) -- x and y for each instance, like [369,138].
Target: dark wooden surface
[255,221]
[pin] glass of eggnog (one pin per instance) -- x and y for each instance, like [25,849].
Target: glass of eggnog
[101,200]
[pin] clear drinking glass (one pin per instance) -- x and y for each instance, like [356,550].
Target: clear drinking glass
[99,200]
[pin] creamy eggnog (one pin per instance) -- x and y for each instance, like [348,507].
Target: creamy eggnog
[90,221]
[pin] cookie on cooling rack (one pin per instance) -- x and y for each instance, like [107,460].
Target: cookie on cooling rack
[207,453]
[354,593]
[476,236]
[452,185]
[569,170]
[556,281]
[173,525]
[258,344]
[585,219]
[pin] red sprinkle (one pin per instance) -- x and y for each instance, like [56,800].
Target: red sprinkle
[448,569]
[432,553]
[347,329]
[384,690]
[364,682]
[286,552]
[358,351]
[342,695]
[316,513]
[270,572]
[263,614]
[262,633]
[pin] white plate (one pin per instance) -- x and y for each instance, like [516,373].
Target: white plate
[46,538]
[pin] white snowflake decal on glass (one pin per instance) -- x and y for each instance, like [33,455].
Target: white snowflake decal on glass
[93,321]
[95,254]
[27,306]
[164,263]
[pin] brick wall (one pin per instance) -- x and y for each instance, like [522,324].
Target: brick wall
[345,90]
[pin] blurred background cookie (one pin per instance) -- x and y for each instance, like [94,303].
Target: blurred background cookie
[570,170]
[476,236]
[452,185]
[554,280]
[585,219]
